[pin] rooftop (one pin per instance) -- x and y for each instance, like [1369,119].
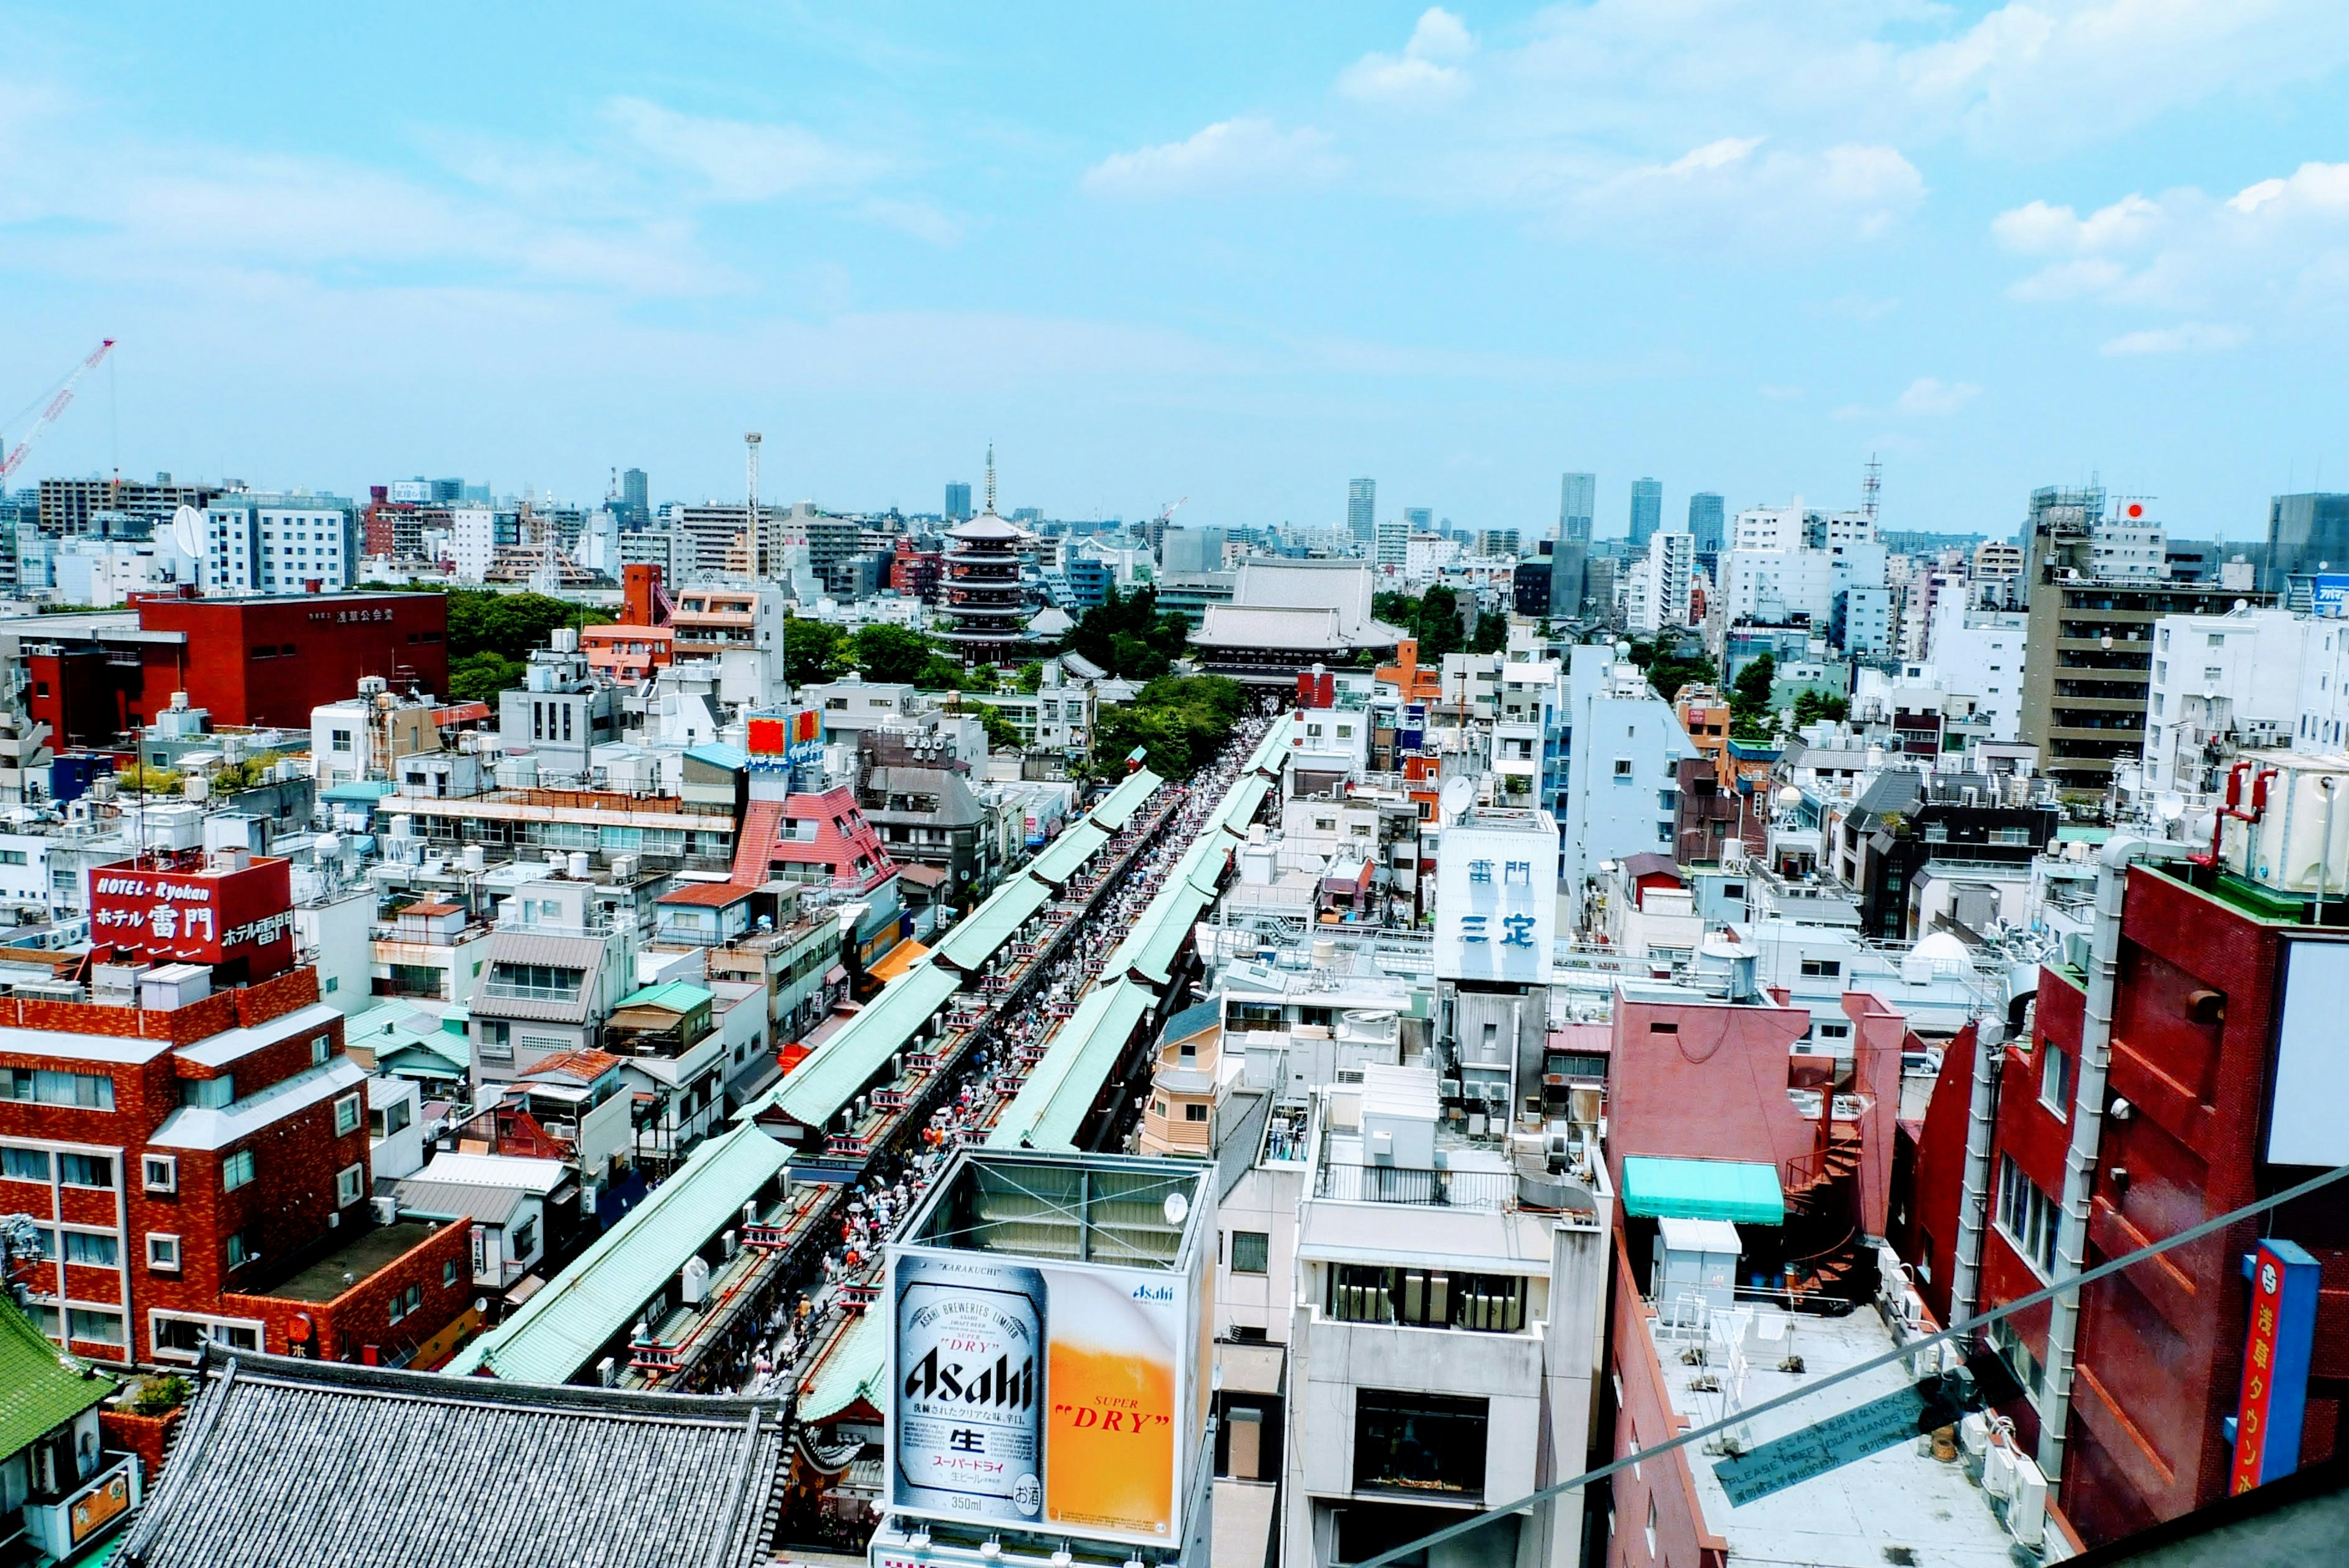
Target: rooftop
[365,1254]
[1861,1514]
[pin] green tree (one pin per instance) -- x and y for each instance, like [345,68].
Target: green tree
[1669,670]
[891,653]
[479,677]
[814,652]
[1491,634]
[1128,635]
[1749,699]
[1002,734]
[1180,724]
[1810,707]
[511,625]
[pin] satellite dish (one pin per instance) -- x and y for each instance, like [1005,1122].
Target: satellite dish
[188,532]
[1459,793]
[2171,807]
[1178,1208]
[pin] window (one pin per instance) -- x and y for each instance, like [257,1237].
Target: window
[1652,1525]
[2217,639]
[1251,1251]
[207,1093]
[240,1249]
[1832,1031]
[12,857]
[162,1253]
[407,1302]
[319,1049]
[98,1252]
[2055,1081]
[1822,969]
[1623,767]
[86,1091]
[2026,1216]
[350,1184]
[1427,1298]
[25,1164]
[525,1240]
[533,982]
[448,1272]
[346,1115]
[497,1041]
[390,1119]
[1194,1113]
[160,1172]
[341,738]
[1419,1443]
[86,1170]
[236,1170]
[94,1328]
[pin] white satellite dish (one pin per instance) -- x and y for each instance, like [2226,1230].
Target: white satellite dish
[2170,808]
[188,532]
[1459,794]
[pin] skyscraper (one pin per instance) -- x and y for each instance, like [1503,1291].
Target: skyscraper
[1419,519]
[958,501]
[1578,504]
[1646,510]
[1362,510]
[1577,500]
[1705,521]
[2305,531]
[636,490]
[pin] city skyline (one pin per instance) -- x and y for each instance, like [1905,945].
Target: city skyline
[2012,247]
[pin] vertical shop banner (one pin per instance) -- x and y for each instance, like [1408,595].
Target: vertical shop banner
[2277,1346]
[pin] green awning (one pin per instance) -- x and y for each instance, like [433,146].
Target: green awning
[1737,1190]
[981,934]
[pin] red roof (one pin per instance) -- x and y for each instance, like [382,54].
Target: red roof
[433,908]
[461,713]
[705,895]
[587,1065]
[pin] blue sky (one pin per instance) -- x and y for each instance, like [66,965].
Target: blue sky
[1235,252]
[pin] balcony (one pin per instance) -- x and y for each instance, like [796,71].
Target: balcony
[1348,1183]
[74,1520]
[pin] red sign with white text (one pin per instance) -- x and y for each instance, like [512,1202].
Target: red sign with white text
[195,915]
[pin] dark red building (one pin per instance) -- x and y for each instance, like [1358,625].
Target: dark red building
[2158,1350]
[196,1160]
[262,661]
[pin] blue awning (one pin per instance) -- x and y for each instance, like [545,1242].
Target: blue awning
[1740,1191]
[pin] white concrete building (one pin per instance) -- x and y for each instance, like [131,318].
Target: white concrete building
[1444,1337]
[1659,584]
[1770,528]
[2234,677]
[472,542]
[280,543]
[1978,653]
[1622,786]
[1773,586]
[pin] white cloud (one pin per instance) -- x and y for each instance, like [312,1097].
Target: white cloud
[1245,151]
[1428,70]
[2282,243]
[743,160]
[1730,188]
[1930,397]
[2187,338]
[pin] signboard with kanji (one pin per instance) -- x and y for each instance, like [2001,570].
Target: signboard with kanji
[2276,1348]
[191,915]
[1496,899]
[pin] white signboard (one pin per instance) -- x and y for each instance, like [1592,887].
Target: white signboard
[2312,1071]
[1496,901]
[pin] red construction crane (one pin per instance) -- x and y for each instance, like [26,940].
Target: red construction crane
[53,407]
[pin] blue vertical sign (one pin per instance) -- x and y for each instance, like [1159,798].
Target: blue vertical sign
[2277,1346]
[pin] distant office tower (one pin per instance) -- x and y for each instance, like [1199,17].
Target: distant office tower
[445,491]
[636,490]
[1705,521]
[1578,504]
[1362,510]
[959,503]
[1419,519]
[2306,532]
[1393,543]
[1646,510]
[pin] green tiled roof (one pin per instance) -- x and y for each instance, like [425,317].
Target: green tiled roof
[44,1388]
[677,995]
[1118,806]
[975,938]
[1066,856]
[557,1333]
[1050,1107]
[1732,1189]
[830,1075]
[852,1372]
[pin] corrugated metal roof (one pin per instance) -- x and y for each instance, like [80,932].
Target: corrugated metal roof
[676,995]
[1117,808]
[813,1092]
[556,1333]
[458,1200]
[1062,1115]
[531,947]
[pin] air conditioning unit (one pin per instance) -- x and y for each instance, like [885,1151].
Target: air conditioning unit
[2026,1511]
[1998,1467]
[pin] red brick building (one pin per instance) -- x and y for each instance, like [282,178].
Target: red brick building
[2157,1354]
[197,1161]
[262,661]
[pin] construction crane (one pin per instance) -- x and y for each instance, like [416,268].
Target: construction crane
[50,410]
[1166,512]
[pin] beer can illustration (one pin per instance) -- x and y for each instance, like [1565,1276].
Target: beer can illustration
[967,1413]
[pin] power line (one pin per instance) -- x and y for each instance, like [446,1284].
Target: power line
[1980,1320]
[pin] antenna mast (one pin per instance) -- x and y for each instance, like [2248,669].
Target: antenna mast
[1870,486]
[990,479]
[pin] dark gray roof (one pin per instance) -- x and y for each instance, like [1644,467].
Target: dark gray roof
[1895,790]
[334,1466]
[459,1200]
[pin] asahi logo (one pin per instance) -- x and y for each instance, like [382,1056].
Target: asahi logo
[1001,1387]
[1154,1293]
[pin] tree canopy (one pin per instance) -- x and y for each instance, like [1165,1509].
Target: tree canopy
[1749,699]
[1433,617]
[1129,635]
[509,625]
[1180,724]
[1669,669]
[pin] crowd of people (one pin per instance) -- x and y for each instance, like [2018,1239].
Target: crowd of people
[1026,1004]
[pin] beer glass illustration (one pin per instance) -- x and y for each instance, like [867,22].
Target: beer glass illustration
[968,1410]
[1109,1455]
